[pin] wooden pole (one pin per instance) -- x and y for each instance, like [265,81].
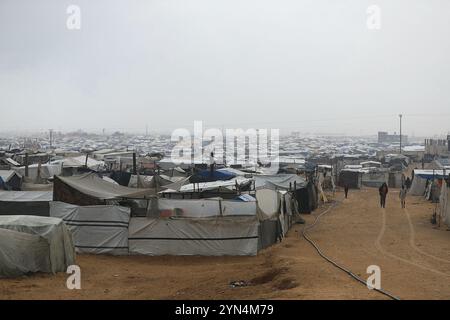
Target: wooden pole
[26,164]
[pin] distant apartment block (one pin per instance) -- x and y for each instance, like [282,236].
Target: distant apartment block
[384,137]
[437,146]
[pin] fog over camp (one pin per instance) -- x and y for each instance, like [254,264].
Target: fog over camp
[215,157]
[311,66]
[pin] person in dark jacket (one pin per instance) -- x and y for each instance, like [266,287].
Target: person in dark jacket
[383,190]
[408,183]
[346,190]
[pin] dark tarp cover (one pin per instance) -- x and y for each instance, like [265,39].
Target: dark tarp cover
[208,176]
[90,189]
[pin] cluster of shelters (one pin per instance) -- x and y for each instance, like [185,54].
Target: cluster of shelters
[175,211]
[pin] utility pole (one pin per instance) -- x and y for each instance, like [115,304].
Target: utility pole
[400,116]
[51,137]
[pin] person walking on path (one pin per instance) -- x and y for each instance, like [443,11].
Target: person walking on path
[402,196]
[346,190]
[383,190]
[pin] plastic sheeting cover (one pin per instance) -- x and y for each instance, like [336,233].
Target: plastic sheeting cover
[21,253]
[418,186]
[206,207]
[92,185]
[54,233]
[26,196]
[268,203]
[208,237]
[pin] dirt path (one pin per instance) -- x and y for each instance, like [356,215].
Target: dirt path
[413,256]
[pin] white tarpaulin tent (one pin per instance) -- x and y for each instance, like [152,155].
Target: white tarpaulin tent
[140,181]
[46,171]
[268,203]
[419,184]
[208,236]
[95,229]
[34,244]
[80,161]
[444,204]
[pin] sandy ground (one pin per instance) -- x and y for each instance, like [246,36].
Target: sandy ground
[414,258]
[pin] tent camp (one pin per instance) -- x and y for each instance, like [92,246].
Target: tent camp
[90,189]
[35,203]
[34,244]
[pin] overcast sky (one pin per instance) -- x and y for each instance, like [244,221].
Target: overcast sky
[311,66]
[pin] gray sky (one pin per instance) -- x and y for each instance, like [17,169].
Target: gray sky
[311,66]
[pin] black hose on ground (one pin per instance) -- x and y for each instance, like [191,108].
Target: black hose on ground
[351,274]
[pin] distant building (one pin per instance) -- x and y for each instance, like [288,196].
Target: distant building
[384,137]
[437,147]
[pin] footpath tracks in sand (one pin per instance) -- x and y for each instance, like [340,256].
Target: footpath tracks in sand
[411,243]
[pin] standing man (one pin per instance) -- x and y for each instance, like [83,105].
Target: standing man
[402,196]
[408,183]
[346,190]
[383,190]
[212,162]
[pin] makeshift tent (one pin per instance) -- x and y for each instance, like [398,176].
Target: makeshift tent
[46,171]
[208,176]
[374,178]
[444,203]
[11,180]
[396,179]
[121,177]
[279,181]
[207,236]
[80,161]
[95,229]
[275,209]
[90,189]
[34,203]
[204,208]
[422,179]
[351,178]
[141,181]
[211,226]
[34,244]
[319,185]
[307,198]
[208,186]
[268,203]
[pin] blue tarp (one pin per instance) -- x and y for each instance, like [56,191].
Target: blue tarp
[246,198]
[432,174]
[215,175]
